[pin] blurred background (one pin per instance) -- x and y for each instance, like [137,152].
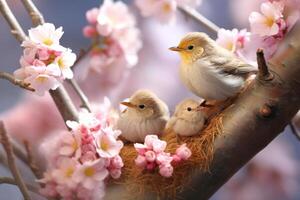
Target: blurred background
[272,174]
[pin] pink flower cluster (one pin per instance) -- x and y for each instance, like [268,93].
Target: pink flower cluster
[152,155]
[268,28]
[45,63]
[81,160]
[116,40]
[163,10]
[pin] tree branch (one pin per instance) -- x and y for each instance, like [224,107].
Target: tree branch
[13,80]
[35,15]
[11,181]
[11,162]
[84,100]
[254,120]
[64,104]
[37,19]
[31,161]
[15,27]
[203,21]
[60,96]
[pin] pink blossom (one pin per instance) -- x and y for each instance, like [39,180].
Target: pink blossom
[42,78]
[91,173]
[164,158]
[105,112]
[267,23]
[65,171]
[140,161]
[65,61]
[50,185]
[141,148]
[183,152]
[87,122]
[90,31]
[107,144]
[45,35]
[159,146]
[150,156]
[113,16]
[117,162]
[115,173]
[149,139]
[233,40]
[163,10]
[166,170]
[92,15]
[70,145]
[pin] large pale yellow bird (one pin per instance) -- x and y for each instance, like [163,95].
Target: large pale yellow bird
[145,114]
[208,70]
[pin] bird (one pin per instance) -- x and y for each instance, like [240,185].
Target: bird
[209,70]
[145,114]
[188,119]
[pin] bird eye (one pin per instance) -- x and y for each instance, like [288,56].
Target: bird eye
[190,47]
[189,109]
[141,106]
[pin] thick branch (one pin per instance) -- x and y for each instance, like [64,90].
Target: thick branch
[11,181]
[11,162]
[203,21]
[15,27]
[36,17]
[254,120]
[13,80]
[64,104]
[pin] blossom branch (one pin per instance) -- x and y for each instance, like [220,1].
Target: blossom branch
[36,17]
[60,96]
[11,181]
[13,80]
[11,162]
[31,161]
[15,27]
[209,25]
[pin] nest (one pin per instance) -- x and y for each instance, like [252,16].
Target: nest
[140,182]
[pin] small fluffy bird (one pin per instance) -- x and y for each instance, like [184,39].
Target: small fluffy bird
[208,70]
[188,119]
[145,114]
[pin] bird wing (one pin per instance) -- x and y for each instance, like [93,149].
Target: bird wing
[232,65]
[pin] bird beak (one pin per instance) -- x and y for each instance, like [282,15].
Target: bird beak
[176,49]
[128,104]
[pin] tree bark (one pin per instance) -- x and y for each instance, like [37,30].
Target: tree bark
[254,120]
